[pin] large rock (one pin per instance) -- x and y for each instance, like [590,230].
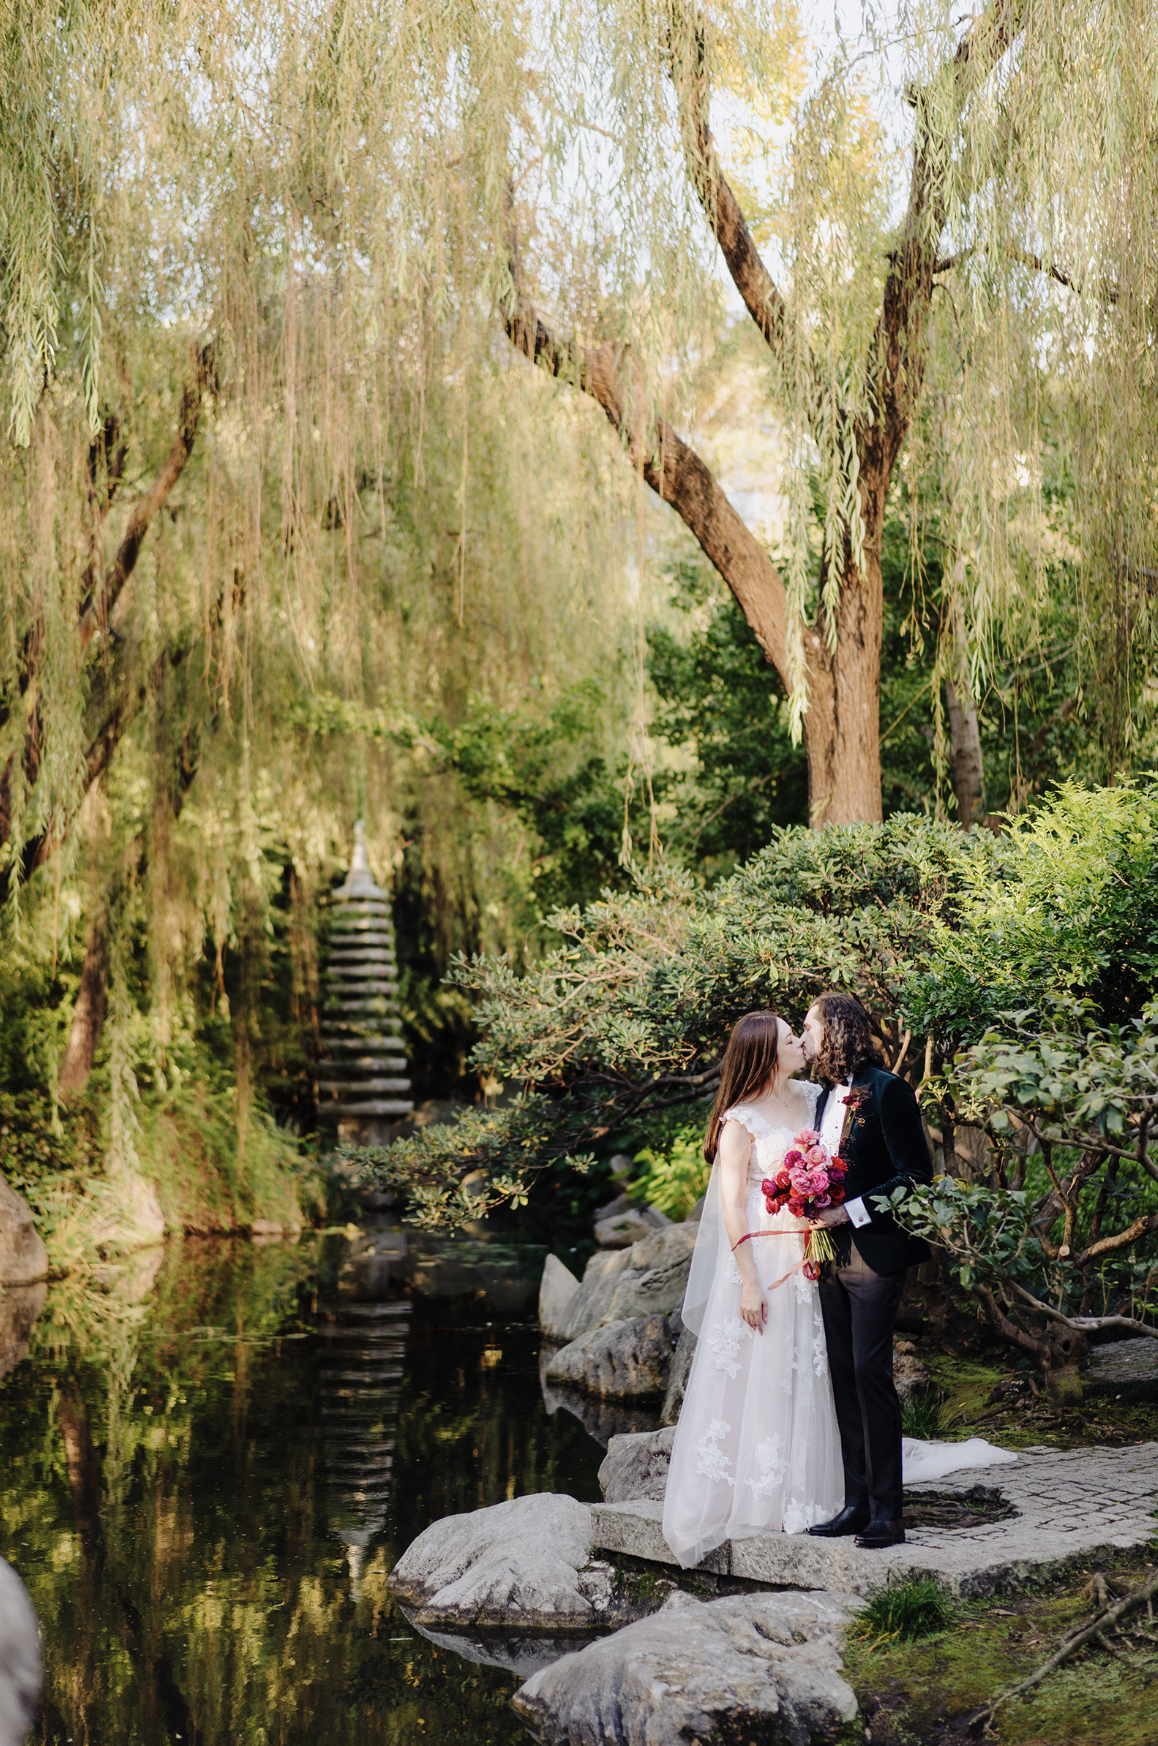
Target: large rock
[523,1566]
[677,1381]
[19,1659]
[623,1223]
[620,1284]
[621,1361]
[910,1376]
[588,1308]
[1127,1369]
[601,1419]
[23,1257]
[653,1282]
[753,1667]
[556,1289]
[636,1466]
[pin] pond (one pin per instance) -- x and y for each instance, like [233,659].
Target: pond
[211,1459]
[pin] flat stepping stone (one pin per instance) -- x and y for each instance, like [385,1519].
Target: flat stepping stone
[1065,1506]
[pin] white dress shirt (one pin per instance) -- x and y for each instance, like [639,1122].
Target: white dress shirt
[831,1129]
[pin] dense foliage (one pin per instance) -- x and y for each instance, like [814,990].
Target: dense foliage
[1013,979]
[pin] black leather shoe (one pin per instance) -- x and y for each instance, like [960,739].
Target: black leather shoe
[879,1534]
[852,1518]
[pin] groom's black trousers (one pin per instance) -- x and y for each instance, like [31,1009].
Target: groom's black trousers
[859,1309]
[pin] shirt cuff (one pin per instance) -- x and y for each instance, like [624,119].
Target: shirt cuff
[858,1212]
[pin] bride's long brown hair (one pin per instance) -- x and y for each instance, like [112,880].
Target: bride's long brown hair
[746,1070]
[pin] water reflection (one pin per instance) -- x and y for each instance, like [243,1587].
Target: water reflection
[197,1486]
[361,1347]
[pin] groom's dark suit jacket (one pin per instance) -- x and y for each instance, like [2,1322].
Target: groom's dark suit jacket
[884,1147]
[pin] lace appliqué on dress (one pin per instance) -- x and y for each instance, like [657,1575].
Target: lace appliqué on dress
[710,1458]
[726,1344]
[797,1518]
[772,1467]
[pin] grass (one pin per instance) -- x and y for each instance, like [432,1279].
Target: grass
[916,1607]
[921,1417]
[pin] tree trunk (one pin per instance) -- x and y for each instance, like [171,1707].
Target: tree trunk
[965,765]
[88,1014]
[842,728]
[1065,1349]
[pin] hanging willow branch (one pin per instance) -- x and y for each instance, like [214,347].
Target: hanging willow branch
[97,604]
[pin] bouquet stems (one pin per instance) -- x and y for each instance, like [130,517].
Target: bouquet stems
[818,1247]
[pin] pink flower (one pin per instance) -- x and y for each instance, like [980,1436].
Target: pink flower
[807,1137]
[791,1158]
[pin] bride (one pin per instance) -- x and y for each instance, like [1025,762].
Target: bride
[756,1449]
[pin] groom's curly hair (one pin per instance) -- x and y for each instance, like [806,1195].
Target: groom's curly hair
[848,1042]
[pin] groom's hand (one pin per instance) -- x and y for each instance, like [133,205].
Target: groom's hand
[832,1215]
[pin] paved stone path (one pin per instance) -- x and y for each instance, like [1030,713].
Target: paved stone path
[1068,1506]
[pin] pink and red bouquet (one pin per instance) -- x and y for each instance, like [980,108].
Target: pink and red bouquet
[809,1180]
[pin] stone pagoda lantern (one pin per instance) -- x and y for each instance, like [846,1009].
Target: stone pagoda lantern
[362,1083]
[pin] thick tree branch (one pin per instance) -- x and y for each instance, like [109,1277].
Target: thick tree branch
[95,609]
[673,470]
[1009,1331]
[750,276]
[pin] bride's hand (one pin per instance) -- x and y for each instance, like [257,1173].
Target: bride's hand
[754,1306]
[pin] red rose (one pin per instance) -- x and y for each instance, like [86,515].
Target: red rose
[798,1209]
[836,1195]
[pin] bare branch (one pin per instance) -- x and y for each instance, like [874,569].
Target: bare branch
[1083,1324]
[1145,1590]
[1105,292]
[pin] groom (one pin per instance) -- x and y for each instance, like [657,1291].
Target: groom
[872,1118]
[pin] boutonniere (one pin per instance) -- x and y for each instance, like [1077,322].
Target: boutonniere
[855,1099]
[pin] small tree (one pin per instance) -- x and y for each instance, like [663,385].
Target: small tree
[1057,1242]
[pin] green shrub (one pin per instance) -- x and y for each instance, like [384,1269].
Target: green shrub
[674,1179]
[916,1607]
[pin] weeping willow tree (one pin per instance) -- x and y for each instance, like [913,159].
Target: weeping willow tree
[269,281]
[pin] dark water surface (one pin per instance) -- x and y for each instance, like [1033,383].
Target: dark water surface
[209,1466]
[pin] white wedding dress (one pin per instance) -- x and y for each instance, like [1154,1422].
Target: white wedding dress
[757,1449]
